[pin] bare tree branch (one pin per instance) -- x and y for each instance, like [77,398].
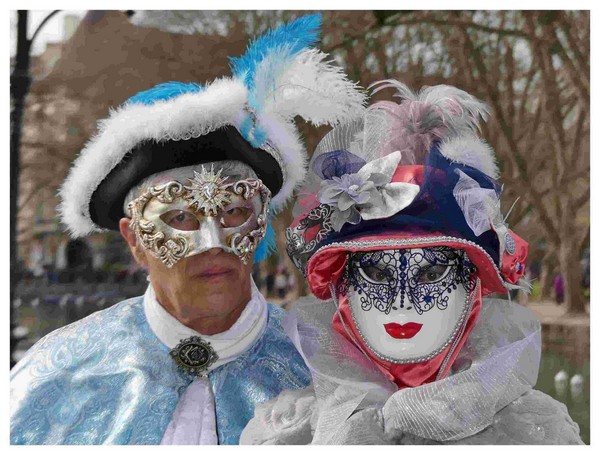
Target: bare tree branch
[575,152]
[427,18]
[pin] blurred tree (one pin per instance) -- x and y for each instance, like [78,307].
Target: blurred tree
[533,69]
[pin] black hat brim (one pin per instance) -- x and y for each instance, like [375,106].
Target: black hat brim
[151,157]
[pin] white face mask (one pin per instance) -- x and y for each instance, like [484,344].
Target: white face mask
[176,220]
[408,303]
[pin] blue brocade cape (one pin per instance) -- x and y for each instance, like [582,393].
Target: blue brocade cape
[107,379]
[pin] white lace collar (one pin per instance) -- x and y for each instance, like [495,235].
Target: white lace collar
[228,345]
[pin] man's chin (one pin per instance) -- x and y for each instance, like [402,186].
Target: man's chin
[222,306]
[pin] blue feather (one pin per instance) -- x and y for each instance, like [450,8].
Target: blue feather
[296,35]
[267,245]
[260,137]
[162,92]
[246,127]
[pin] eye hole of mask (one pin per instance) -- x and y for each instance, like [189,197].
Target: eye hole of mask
[374,274]
[433,274]
[181,220]
[235,216]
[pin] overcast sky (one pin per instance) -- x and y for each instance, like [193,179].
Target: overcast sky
[51,32]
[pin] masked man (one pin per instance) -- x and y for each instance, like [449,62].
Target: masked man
[400,226]
[189,175]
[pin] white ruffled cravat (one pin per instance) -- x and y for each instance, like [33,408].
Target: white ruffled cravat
[193,421]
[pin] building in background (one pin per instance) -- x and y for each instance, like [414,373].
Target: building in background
[102,62]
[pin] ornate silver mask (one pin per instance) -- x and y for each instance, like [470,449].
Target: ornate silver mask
[173,220]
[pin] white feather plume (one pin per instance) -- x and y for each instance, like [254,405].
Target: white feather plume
[472,151]
[451,115]
[308,86]
[460,111]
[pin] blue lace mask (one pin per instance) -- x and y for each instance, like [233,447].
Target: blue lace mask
[420,278]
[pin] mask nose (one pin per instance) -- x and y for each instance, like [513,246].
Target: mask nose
[403,301]
[402,305]
[403,297]
[210,234]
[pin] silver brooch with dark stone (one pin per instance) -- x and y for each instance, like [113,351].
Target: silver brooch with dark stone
[194,355]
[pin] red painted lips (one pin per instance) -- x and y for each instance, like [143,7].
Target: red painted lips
[402,332]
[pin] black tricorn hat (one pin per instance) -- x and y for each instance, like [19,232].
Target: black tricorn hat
[151,157]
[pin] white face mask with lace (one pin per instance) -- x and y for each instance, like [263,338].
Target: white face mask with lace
[408,304]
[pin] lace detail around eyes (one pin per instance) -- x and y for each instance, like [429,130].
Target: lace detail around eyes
[404,272]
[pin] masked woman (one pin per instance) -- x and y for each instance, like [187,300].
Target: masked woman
[399,230]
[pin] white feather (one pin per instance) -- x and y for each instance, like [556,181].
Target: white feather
[267,73]
[402,90]
[285,138]
[523,284]
[308,86]
[473,151]
[459,110]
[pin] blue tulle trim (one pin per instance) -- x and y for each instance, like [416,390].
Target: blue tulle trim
[337,163]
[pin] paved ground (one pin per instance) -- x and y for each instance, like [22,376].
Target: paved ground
[550,312]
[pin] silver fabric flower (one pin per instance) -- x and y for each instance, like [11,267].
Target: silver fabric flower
[347,193]
[367,194]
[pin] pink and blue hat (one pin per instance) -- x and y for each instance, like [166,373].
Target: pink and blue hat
[411,174]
